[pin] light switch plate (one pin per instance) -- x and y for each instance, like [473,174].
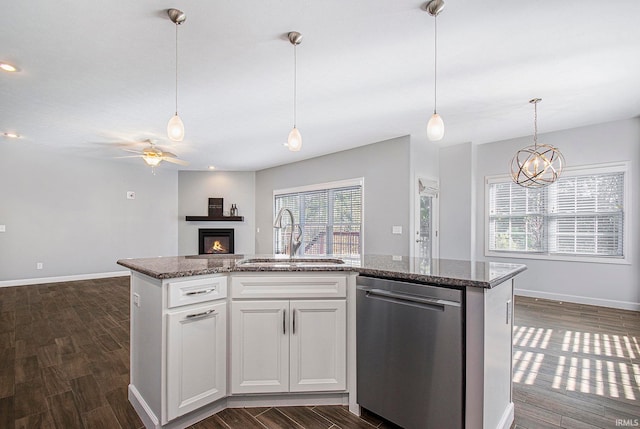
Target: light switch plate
[396,229]
[3,228]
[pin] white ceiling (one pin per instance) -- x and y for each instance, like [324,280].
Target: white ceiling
[103,72]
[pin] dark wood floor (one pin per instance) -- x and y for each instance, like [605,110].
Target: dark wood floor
[64,357]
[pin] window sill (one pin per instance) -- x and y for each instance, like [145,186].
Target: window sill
[559,258]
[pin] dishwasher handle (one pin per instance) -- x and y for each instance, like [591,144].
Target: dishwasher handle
[408,299]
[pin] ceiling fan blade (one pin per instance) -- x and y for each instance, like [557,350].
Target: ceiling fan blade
[131,150]
[128,156]
[169,154]
[175,161]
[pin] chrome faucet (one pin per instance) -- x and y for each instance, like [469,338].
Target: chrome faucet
[294,243]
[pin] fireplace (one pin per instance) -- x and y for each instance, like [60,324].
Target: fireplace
[215,241]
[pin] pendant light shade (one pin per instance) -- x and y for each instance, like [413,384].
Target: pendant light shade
[294,141]
[175,127]
[435,126]
[537,165]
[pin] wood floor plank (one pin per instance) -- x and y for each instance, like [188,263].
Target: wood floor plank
[306,417]
[7,415]
[29,398]
[101,418]
[122,409]
[64,411]
[274,419]
[26,369]
[86,393]
[342,417]
[41,420]
[239,418]
[54,380]
[213,422]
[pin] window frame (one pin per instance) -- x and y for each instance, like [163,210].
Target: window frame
[583,170]
[319,187]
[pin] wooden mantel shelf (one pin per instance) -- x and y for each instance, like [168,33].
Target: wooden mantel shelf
[216,218]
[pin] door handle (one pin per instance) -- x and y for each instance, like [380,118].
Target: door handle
[284,321]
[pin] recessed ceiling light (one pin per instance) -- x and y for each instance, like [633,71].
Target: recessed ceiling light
[8,67]
[11,135]
[211,167]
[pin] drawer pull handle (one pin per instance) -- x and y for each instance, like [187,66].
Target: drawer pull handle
[200,292]
[203,314]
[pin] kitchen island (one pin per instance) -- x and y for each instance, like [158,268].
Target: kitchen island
[211,332]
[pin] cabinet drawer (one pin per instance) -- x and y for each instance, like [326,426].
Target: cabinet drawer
[185,292]
[289,286]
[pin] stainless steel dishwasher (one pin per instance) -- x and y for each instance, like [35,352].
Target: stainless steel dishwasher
[410,353]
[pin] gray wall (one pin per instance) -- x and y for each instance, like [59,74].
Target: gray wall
[600,284]
[457,202]
[385,168]
[194,190]
[72,214]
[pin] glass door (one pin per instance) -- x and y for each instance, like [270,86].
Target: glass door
[426,235]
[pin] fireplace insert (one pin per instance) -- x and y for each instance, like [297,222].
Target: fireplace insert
[215,241]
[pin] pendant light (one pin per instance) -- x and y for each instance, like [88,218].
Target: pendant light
[435,127]
[537,165]
[175,127]
[294,142]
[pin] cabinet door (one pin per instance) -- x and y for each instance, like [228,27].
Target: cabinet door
[259,346]
[318,345]
[196,357]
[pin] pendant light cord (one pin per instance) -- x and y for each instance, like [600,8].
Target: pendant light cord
[295,84]
[176,69]
[535,125]
[435,63]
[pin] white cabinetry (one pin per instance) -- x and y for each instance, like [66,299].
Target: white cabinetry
[196,357]
[288,345]
[317,345]
[178,345]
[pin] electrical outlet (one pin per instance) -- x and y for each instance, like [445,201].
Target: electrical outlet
[136,300]
[396,229]
[39,265]
[131,195]
[396,258]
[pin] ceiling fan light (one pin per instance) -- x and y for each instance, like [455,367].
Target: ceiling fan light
[152,160]
[8,67]
[435,128]
[294,142]
[175,128]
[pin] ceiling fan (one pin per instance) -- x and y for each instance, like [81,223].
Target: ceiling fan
[153,155]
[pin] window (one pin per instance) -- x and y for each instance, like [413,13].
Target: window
[581,215]
[330,216]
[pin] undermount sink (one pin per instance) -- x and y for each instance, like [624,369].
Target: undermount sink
[289,263]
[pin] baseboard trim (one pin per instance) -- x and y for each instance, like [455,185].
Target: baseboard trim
[623,305]
[42,280]
[149,419]
[507,417]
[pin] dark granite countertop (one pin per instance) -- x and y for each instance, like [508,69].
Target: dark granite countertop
[445,272]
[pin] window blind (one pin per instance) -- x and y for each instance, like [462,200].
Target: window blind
[579,215]
[331,221]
